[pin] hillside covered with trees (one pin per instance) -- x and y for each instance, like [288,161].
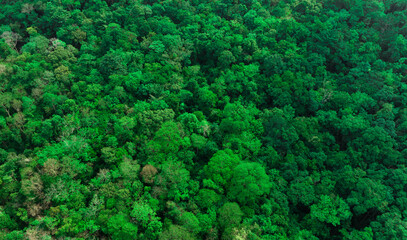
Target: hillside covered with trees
[220,119]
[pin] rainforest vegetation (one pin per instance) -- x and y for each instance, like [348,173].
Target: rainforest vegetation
[219,119]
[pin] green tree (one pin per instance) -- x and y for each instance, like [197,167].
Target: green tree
[248,183]
[370,195]
[331,210]
[220,168]
[176,232]
[230,215]
[119,227]
[143,214]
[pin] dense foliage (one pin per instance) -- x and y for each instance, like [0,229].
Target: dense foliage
[221,119]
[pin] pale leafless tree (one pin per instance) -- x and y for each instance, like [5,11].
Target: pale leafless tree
[11,38]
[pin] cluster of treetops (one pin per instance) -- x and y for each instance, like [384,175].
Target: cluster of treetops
[221,119]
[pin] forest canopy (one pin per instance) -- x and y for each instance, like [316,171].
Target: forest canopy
[221,119]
